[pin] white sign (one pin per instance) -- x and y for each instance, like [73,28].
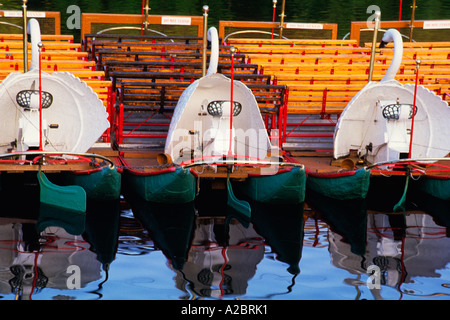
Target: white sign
[436,24]
[315,26]
[183,21]
[30,14]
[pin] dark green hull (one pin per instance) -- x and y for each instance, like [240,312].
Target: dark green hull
[171,226]
[347,217]
[167,186]
[282,226]
[342,186]
[287,186]
[436,186]
[103,184]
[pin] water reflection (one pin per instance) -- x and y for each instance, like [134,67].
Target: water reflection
[170,226]
[32,262]
[402,247]
[221,260]
[346,217]
[207,256]
[214,256]
[35,256]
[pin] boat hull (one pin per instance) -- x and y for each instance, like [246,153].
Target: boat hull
[347,217]
[170,225]
[101,184]
[173,185]
[343,185]
[282,226]
[436,186]
[286,186]
[388,191]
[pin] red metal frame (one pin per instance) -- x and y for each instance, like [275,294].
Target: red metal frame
[120,122]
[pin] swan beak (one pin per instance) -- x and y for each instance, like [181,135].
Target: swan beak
[383,44]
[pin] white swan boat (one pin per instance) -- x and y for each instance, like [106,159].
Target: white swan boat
[217,135]
[48,123]
[391,125]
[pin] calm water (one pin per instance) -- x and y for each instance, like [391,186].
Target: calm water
[205,258]
[174,255]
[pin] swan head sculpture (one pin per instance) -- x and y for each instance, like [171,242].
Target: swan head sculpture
[392,35]
[388,37]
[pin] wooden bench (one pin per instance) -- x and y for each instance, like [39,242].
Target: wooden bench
[104,56]
[48,45]
[94,79]
[47,55]
[155,66]
[302,50]
[45,37]
[90,38]
[327,98]
[301,71]
[162,97]
[148,47]
[298,62]
[185,77]
[83,74]
[432,68]
[320,42]
[290,42]
[422,44]
[55,65]
[323,99]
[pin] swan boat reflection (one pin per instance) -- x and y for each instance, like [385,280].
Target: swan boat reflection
[402,248]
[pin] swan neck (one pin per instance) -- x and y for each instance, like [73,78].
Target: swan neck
[396,59]
[213,37]
[35,34]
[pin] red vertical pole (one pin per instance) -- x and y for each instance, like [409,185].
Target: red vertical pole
[414,108]
[230,151]
[120,133]
[273,14]
[280,126]
[41,145]
[400,13]
[285,107]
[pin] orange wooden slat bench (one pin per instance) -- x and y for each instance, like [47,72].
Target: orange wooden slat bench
[45,37]
[290,42]
[48,45]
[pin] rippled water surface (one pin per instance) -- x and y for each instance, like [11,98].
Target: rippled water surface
[172,254]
